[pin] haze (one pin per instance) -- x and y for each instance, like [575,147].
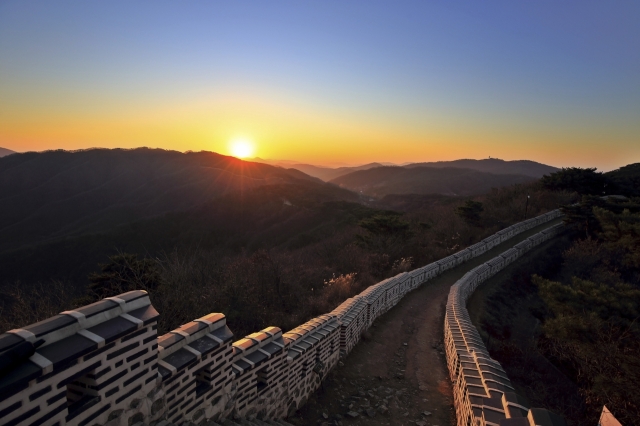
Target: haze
[326,82]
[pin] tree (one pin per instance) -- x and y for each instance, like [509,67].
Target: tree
[576,179]
[621,232]
[626,180]
[470,212]
[386,230]
[385,224]
[124,272]
[593,213]
[581,214]
[593,333]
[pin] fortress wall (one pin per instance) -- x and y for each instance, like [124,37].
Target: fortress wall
[483,394]
[193,367]
[314,349]
[103,364]
[89,363]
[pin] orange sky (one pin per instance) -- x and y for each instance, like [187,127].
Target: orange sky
[289,129]
[323,83]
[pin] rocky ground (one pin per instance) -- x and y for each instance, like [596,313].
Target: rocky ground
[397,374]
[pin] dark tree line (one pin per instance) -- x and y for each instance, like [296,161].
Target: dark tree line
[623,181]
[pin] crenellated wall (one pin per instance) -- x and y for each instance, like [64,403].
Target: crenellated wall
[483,394]
[103,364]
[89,364]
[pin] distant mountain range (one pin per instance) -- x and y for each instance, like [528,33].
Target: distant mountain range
[55,194]
[491,165]
[325,173]
[457,178]
[381,181]
[4,152]
[495,166]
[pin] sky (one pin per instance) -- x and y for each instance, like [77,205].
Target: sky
[327,82]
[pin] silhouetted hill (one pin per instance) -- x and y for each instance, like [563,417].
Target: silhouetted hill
[289,163]
[625,180]
[59,193]
[492,165]
[4,152]
[381,181]
[327,174]
[495,166]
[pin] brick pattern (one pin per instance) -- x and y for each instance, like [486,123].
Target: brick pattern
[258,363]
[194,369]
[375,298]
[352,315]
[91,362]
[482,392]
[313,349]
[104,363]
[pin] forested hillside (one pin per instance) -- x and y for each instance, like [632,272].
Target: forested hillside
[55,194]
[277,254]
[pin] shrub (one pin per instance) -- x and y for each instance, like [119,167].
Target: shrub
[470,211]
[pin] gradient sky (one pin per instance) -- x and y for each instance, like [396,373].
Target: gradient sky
[327,81]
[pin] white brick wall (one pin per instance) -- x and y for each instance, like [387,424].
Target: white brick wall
[477,379]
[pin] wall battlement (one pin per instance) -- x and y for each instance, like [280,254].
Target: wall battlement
[103,364]
[482,392]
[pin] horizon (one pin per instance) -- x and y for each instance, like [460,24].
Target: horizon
[326,83]
[330,164]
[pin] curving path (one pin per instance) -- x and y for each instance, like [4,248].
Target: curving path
[399,366]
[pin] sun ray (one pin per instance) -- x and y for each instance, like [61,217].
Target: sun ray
[241,147]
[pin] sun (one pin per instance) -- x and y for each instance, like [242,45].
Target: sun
[241,148]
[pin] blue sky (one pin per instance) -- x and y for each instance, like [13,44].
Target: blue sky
[552,81]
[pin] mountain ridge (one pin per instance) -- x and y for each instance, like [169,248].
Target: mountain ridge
[495,166]
[4,152]
[327,173]
[60,193]
[490,165]
[381,181]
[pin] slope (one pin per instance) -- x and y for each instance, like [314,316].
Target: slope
[59,193]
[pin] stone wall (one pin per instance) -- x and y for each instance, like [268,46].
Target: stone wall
[483,394]
[103,364]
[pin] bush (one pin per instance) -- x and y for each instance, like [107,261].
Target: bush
[470,212]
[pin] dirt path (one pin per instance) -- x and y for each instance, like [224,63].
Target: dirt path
[397,374]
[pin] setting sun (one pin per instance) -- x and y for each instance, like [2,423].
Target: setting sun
[241,148]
